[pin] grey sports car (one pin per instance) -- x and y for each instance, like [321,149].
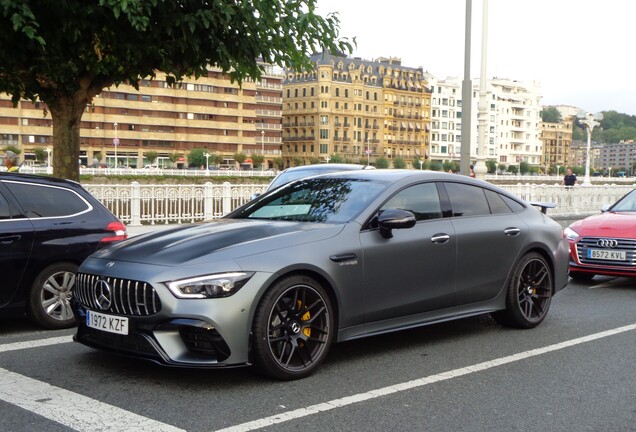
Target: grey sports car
[322,260]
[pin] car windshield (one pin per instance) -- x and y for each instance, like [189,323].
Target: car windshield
[326,200]
[626,204]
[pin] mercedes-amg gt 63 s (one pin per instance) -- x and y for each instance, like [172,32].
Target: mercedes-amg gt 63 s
[322,260]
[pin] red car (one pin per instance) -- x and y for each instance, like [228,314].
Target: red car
[605,244]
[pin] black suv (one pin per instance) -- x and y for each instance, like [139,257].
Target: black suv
[48,226]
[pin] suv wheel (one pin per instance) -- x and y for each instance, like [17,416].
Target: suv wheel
[50,296]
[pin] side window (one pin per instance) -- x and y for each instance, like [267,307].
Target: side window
[497,204]
[467,200]
[422,200]
[47,201]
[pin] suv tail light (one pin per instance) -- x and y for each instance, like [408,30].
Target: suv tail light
[118,230]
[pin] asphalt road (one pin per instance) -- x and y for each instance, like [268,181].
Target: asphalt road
[575,372]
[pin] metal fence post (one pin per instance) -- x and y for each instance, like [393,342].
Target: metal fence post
[135,204]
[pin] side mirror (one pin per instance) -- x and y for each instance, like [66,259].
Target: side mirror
[605,208]
[389,220]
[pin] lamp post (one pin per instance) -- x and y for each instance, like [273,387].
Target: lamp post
[558,171]
[590,120]
[263,149]
[368,152]
[115,142]
[207,165]
[421,163]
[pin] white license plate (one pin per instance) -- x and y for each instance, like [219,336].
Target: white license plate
[107,323]
[604,254]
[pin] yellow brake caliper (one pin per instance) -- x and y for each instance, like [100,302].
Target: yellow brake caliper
[305,317]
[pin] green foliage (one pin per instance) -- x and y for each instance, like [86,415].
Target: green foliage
[513,169]
[399,163]
[491,166]
[40,154]
[240,158]
[551,115]
[12,148]
[450,166]
[334,158]
[314,160]
[381,163]
[298,161]
[152,156]
[436,166]
[65,52]
[174,158]
[416,164]
[279,163]
[217,159]
[258,160]
[524,167]
[502,167]
[196,158]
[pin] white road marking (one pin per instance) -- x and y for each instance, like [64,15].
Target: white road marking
[35,343]
[71,409]
[421,382]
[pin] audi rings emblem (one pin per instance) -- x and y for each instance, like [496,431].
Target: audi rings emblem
[102,294]
[607,243]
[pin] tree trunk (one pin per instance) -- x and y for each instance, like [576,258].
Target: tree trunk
[66,113]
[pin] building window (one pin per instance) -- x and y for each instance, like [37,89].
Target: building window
[324,134]
[324,148]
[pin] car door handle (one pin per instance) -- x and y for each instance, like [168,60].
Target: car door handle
[512,231]
[343,257]
[440,238]
[10,239]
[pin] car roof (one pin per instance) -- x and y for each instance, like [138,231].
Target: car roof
[40,179]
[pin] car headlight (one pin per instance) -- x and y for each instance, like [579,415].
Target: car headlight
[570,234]
[209,286]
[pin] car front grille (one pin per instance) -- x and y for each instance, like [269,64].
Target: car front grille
[626,245]
[127,297]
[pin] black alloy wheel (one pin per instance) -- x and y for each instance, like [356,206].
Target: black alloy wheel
[529,293]
[293,329]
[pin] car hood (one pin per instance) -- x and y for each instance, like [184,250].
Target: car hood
[225,239]
[608,224]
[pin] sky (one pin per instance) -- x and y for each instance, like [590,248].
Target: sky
[581,52]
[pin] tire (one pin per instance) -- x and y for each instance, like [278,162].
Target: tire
[581,277]
[293,329]
[529,293]
[50,296]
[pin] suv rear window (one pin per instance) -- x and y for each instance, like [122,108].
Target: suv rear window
[47,201]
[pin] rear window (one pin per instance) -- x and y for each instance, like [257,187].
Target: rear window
[39,201]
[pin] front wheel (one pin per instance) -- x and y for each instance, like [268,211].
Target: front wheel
[529,293]
[50,296]
[293,328]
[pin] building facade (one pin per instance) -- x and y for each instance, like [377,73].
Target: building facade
[357,110]
[122,123]
[557,142]
[619,157]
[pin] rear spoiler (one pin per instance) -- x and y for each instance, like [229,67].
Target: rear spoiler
[544,206]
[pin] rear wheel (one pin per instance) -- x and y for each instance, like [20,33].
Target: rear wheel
[529,293]
[50,296]
[293,329]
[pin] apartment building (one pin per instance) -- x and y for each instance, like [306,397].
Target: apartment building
[445,125]
[618,157]
[122,123]
[557,142]
[357,109]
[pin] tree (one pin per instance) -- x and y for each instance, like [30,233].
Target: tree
[217,159]
[334,158]
[65,53]
[550,115]
[399,163]
[436,166]
[314,160]
[40,154]
[258,160]
[240,158]
[298,161]
[279,162]
[152,156]
[174,158]
[196,158]
[381,163]
[514,169]
[491,166]
[524,167]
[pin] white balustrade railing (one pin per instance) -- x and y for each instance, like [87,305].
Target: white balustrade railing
[576,201]
[137,204]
